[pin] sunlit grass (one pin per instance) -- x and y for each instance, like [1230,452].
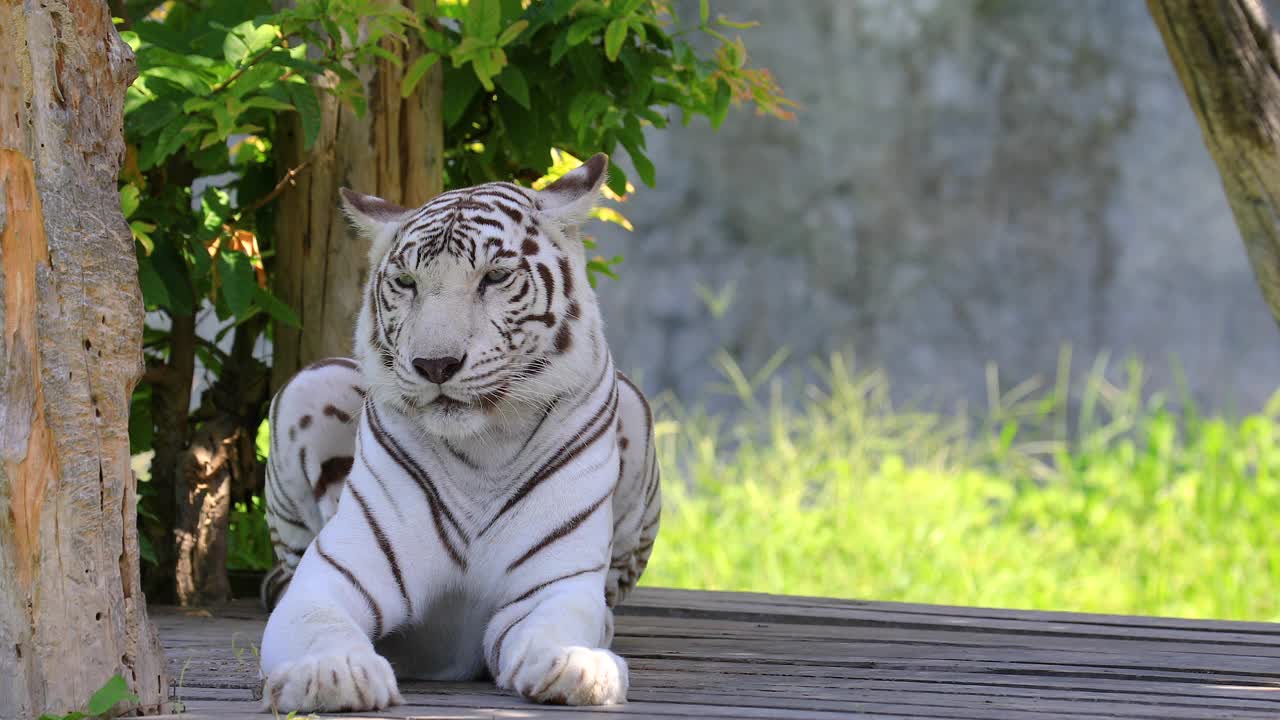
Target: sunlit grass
[1125,508]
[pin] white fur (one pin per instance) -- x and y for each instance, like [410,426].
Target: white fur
[474,590]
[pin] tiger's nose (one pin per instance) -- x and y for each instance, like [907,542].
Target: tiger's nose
[437,370]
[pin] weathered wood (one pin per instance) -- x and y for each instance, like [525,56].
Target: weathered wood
[72,612]
[715,655]
[1226,55]
[395,152]
[666,602]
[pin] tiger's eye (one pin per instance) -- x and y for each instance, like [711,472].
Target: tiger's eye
[496,275]
[405,280]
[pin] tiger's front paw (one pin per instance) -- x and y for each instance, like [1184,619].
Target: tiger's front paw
[573,676]
[343,681]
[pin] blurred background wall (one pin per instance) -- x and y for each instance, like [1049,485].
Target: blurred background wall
[968,181]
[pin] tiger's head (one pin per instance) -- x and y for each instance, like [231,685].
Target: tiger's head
[477,312]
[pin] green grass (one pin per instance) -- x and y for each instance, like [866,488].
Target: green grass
[1122,506]
[1125,508]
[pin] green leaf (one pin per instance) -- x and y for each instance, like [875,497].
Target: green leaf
[128,200]
[185,79]
[308,107]
[210,139]
[643,165]
[466,50]
[142,233]
[614,36]
[150,117]
[266,102]
[483,69]
[513,83]
[298,63]
[215,206]
[245,39]
[254,311]
[484,18]
[512,32]
[145,550]
[114,691]
[704,11]
[141,426]
[276,308]
[617,181]
[158,150]
[224,118]
[385,54]
[459,88]
[172,277]
[726,22]
[720,104]
[256,77]
[583,29]
[238,281]
[519,130]
[415,72]
[559,47]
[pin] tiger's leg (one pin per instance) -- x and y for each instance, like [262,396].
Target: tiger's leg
[637,499]
[317,650]
[312,423]
[550,645]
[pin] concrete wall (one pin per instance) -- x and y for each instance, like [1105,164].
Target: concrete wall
[969,181]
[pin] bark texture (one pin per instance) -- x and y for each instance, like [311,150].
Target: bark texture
[1226,56]
[72,612]
[204,514]
[218,467]
[395,152]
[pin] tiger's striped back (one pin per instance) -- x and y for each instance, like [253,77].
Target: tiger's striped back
[312,426]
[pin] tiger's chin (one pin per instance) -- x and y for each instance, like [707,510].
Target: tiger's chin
[447,417]
[453,419]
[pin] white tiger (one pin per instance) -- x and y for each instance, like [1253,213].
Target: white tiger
[480,483]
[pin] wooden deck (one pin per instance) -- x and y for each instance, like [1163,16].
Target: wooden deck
[721,655]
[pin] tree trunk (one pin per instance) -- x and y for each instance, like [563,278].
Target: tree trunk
[171,383]
[204,514]
[72,613]
[396,152]
[1225,53]
[219,465]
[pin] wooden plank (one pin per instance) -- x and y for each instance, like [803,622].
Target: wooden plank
[852,652]
[683,627]
[759,607]
[223,710]
[792,675]
[716,655]
[654,704]
[716,682]
[888,689]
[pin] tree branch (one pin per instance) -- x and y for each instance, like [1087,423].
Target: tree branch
[288,179]
[244,68]
[1225,54]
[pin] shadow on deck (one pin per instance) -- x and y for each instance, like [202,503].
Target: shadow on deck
[732,655]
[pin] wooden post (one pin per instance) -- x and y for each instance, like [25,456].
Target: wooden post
[396,151]
[72,613]
[1226,55]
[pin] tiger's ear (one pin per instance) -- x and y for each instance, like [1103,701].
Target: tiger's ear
[372,217]
[569,200]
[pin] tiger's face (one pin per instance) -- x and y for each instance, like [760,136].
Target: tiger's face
[477,313]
